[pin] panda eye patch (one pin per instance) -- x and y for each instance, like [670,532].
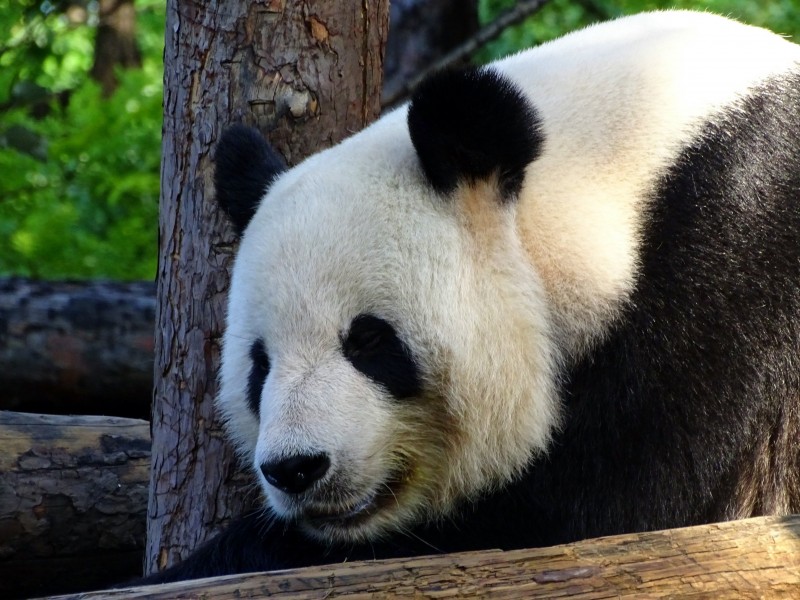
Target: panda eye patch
[373,348]
[259,369]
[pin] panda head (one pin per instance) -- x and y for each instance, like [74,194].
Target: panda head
[387,352]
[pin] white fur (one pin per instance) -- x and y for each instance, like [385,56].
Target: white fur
[490,298]
[618,101]
[320,251]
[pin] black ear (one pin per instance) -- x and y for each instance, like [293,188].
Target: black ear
[246,166]
[470,124]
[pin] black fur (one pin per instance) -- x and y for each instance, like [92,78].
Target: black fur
[259,369]
[295,474]
[468,125]
[246,166]
[688,411]
[255,543]
[701,377]
[372,346]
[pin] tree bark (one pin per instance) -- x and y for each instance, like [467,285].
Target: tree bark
[307,75]
[73,497]
[754,558]
[76,347]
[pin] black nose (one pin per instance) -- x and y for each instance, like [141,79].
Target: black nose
[296,474]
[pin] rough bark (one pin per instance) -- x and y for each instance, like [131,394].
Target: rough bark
[73,498]
[755,558]
[307,75]
[76,347]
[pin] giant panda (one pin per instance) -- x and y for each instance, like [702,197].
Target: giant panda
[552,298]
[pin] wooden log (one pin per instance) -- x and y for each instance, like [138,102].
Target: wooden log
[77,347]
[73,502]
[753,558]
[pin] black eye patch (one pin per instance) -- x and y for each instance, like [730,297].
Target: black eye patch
[373,348]
[259,369]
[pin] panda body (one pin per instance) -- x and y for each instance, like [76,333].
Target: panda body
[554,298]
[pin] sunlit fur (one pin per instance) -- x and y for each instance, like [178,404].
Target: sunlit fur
[492,298]
[322,250]
[618,101]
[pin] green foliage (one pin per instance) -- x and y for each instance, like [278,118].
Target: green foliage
[79,195]
[558,17]
[40,49]
[79,191]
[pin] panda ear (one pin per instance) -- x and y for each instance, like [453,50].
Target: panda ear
[468,125]
[246,165]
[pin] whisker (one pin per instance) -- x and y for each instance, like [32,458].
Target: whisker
[410,533]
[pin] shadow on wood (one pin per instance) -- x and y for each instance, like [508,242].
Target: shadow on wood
[77,347]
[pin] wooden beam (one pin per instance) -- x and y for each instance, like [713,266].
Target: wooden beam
[69,347]
[753,558]
[73,501]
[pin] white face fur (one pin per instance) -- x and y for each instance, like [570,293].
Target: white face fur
[322,251]
[489,297]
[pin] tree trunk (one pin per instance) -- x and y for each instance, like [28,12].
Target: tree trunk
[73,495]
[115,42]
[76,347]
[307,75]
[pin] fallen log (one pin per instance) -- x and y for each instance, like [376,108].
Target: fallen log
[76,347]
[753,558]
[73,501]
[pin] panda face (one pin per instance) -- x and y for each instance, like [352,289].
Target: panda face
[366,373]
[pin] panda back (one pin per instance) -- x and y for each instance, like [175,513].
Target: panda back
[618,104]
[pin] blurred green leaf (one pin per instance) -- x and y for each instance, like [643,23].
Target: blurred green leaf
[79,195]
[79,192]
[558,17]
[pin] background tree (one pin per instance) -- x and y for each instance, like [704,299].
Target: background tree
[79,192]
[115,43]
[81,169]
[420,31]
[307,75]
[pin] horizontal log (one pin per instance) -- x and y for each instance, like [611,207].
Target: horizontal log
[753,558]
[73,501]
[76,347]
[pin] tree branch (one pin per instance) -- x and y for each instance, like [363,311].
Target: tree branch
[520,11]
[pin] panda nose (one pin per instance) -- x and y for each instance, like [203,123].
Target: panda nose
[296,474]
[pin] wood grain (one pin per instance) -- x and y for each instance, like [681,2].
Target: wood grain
[73,499]
[753,558]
